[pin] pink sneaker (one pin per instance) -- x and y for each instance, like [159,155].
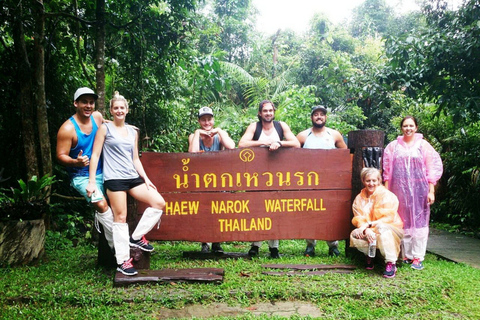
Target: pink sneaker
[390,270]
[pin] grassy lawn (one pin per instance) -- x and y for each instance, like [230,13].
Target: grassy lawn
[67,284]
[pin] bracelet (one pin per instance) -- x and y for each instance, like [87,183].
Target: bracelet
[279,143]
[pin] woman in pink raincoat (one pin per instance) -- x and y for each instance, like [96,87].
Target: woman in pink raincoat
[411,168]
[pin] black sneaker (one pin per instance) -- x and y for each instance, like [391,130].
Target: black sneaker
[333,251]
[205,248]
[274,253]
[310,251]
[127,268]
[216,247]
[142,244]
[253,252]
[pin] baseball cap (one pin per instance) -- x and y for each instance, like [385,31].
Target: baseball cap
[203,111]
[83,91]
[321,108]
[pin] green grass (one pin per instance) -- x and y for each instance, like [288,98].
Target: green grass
[67,284]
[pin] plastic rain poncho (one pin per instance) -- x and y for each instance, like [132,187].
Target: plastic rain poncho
[382,207]
[409,170]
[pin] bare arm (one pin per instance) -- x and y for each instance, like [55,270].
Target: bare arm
[339,142]
[96,152]
[431,193]
[302,137]
[225,139]
[65,138]
[194,141]
[246,140]
[289,137]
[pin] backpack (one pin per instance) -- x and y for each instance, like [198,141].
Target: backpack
[258,130]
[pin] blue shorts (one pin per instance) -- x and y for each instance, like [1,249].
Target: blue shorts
[80,184]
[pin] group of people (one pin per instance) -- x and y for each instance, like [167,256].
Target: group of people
[102,159]
[396,216]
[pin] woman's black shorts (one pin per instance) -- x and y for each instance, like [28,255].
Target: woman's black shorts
[122,184]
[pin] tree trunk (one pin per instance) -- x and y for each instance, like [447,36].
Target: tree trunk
[100,56]
[39,93]
[25,92]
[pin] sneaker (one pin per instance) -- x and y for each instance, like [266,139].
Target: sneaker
[310,251]
[253,252]
[216,247]
[274,253]
[333,251]
[390,270]
[369,263]
[417,264]
[127,268]
[407,261]
[205,248]
[142,244]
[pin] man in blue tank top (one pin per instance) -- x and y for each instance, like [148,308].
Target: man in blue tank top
[273,135]
[74,149]
[320,137]
[209,138]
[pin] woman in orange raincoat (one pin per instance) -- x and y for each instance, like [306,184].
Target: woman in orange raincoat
[376,219]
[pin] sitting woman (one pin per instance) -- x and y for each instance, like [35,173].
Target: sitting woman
[376,219]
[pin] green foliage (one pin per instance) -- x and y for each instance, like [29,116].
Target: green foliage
[29,200]
[371,18]
[439,61]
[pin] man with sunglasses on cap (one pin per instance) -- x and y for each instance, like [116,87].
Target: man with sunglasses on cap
[320,137]
[209,138]
[74,149]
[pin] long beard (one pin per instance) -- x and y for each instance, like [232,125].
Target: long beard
[318,125]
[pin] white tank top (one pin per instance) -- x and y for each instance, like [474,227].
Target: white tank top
[274,135]
[325,141]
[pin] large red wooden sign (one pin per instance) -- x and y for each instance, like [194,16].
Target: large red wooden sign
[252,194]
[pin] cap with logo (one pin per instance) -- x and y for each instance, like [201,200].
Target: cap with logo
[204,111]
[321,108]
[83,91]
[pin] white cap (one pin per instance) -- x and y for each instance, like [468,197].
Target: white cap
[203,111]
[83,91]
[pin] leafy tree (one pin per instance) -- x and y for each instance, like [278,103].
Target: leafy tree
[371,18]
[439,62]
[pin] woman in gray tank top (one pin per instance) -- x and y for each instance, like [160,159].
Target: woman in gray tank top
[124,175]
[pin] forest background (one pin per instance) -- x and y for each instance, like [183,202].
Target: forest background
[169,58]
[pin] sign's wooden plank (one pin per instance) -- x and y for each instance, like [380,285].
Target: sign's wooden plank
[254,216]
[249,169]
[203,275]
[252,194]
[167,276]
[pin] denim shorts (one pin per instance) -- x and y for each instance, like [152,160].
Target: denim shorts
[122,184]
[80,184]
